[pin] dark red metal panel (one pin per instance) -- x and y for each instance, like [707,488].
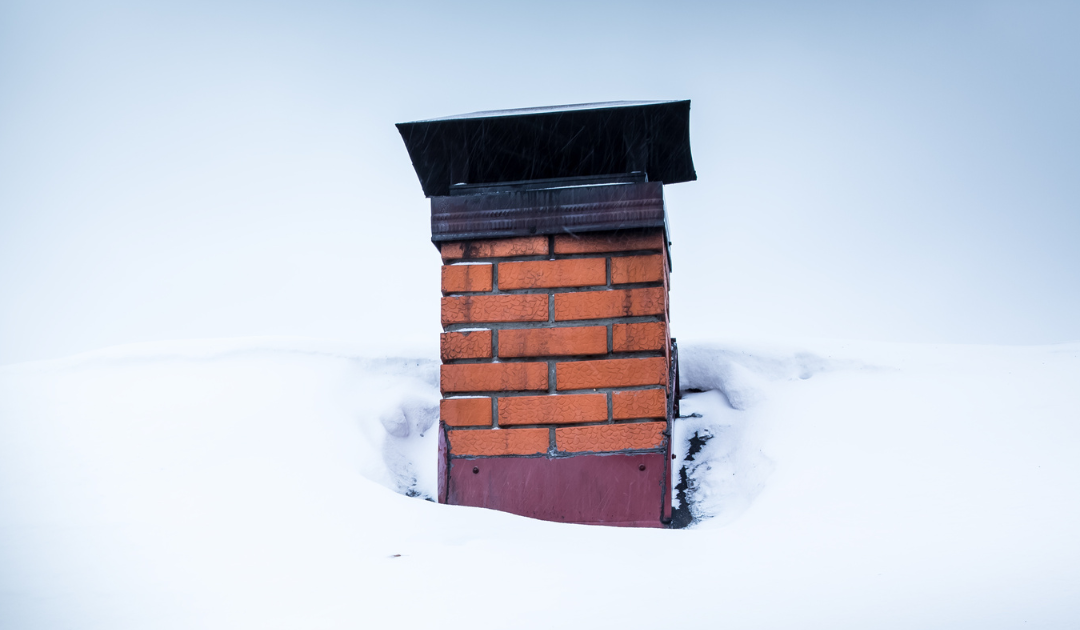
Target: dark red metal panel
[444,461]
[672,413]
[617,489]
[667,483]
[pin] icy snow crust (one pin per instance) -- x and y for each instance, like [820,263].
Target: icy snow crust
[273,483]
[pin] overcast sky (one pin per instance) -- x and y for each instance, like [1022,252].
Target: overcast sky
[214,169]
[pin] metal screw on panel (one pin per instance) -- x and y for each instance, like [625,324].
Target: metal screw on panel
[475,470]
[641,467]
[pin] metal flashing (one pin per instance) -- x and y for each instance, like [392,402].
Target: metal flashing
[547,211]
[589,140]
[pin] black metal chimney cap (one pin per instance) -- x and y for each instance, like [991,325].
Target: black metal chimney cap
[587,140]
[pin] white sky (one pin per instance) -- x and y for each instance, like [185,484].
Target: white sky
[177,170]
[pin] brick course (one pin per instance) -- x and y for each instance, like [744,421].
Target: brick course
[465,345]
[644,403]
[594,243]
[482,442]
[545,274]
[466,412]
[549,342]
[496,248]
[494,308]
[462,278]
[627,269]
[638,337]
[494,377]
[574,408]
[610,437]
[611,373]
[603,304]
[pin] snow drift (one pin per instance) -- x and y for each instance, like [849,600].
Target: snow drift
[281,484]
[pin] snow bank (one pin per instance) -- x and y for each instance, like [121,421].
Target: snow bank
[262,484]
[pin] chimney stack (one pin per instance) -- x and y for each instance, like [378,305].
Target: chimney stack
[559,373]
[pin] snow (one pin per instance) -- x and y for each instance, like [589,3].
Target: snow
[263,484]
[553,109]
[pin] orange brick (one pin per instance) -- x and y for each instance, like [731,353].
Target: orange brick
[645,403]
[545,274]
[608,242]
[626,269]
[494,377]
[466,412]
[499,442]
[610,373]
[495,308]
[599,304]
[496,248]
[461,278]
[565,409]
[610,437]
[474,344]
[548,342]
[638,337]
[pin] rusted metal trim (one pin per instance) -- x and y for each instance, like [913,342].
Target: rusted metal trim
[558,182]
[549,211]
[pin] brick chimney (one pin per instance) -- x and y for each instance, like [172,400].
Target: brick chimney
[559,372]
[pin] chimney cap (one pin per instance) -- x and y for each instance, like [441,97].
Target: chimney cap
[536,143]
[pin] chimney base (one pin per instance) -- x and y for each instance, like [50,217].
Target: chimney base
[619,489]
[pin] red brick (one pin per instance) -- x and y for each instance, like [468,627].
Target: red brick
[564,409]
[608,242]
[645,403]
[499,442]
[610,437]
[545,274]
[495,308]
[547,342]
[496,248]
[466,412]
[461,278]
[600,304]
[494,377]
[625,269]
[610,373]
[638,337]
[474,344]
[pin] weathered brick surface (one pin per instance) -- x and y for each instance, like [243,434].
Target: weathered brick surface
[495,308]
[592,243]
[618,303]
[461,278]
[547,342]
[496,248]
[526,423]
[644,403]
[565,409]
[638,337]
[498,442]
[475,344]
[545,274]
[610,437]
[466,412]
[626,269]
[494,377]
[610,373]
